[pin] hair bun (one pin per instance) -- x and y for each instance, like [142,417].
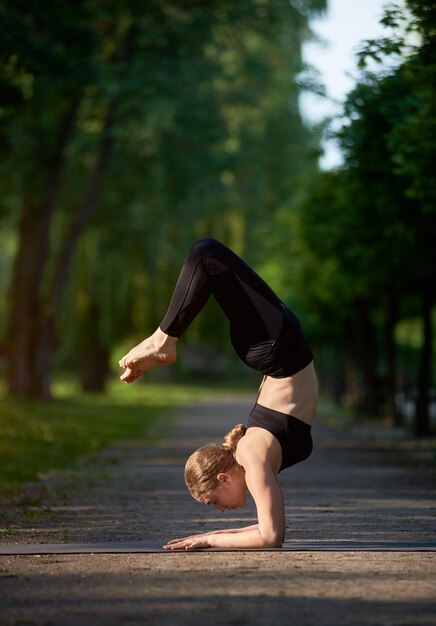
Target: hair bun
[233,436]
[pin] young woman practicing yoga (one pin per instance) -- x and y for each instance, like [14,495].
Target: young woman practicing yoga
[268,338]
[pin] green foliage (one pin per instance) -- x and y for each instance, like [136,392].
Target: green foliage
[353,250]
[391,142]
[130,130]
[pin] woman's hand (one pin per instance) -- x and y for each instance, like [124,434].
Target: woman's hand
[206,537]
[194,542]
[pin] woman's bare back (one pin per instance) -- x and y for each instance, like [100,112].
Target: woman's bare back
[295,395]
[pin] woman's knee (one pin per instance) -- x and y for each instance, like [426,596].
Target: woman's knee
[205,247]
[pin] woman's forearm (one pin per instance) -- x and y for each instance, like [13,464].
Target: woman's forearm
[248,538]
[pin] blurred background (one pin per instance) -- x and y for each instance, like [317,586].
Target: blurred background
[130,129]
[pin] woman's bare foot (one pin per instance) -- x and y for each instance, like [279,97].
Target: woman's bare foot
[158,349]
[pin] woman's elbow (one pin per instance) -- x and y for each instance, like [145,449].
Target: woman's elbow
[272,539]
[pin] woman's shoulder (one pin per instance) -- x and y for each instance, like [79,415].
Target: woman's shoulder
[258,446]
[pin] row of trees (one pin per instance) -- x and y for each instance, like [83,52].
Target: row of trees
[130,128]
[367,232]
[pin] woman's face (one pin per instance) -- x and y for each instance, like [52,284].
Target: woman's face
[231,492]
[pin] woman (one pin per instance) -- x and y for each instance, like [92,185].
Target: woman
[268,338]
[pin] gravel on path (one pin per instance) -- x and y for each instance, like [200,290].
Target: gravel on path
[351,488]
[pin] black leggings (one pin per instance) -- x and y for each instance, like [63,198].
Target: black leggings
[264,332]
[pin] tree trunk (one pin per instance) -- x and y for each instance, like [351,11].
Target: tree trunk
[30,264]
[370,400]
[93,355]
[422,418]
[21,301]
[45,344]
[351,391]
[83,215]
[391,361]
[94,369]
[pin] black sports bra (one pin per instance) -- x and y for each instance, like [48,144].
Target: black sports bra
[293,435]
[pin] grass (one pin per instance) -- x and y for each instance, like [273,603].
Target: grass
[39,436]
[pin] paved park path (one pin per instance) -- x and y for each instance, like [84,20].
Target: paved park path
[352,488]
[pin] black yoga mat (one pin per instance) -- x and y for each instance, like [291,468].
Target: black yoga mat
[117,547]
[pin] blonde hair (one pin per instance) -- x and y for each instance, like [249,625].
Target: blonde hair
[204,465]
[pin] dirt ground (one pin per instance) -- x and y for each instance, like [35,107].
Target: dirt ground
[354,486]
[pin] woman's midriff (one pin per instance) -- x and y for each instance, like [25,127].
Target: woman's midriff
[295,395]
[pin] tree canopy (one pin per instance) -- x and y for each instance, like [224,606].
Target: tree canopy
[365,234]
[129,130]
